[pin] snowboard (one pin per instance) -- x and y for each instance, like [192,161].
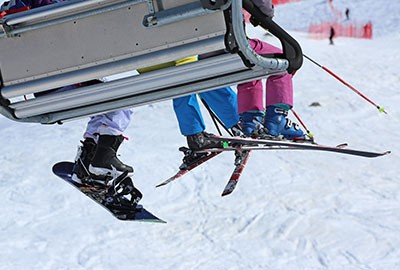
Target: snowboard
[120,207]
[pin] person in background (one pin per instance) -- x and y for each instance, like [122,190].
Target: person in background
[331,35]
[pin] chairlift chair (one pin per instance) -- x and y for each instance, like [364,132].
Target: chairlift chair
[78,41]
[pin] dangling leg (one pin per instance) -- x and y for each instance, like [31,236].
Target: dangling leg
[251,108]
[109,128]
[223,102]
[279,99]
[191,123]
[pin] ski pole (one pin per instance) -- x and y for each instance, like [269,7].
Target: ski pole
[215,118]
[381,109]
[309,133]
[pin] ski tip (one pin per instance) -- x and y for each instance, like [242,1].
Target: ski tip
[225,193]
[160,185]
[342,145]
[374,155]
[164,183]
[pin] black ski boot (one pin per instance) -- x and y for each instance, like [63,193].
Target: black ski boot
[200,141]
[197,142]
[83,158]
[105,165]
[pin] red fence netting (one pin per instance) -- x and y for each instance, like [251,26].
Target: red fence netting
[354,29]
[280,2]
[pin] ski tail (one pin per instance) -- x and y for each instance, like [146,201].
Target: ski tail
[263,144]
[237,172]
[187,169]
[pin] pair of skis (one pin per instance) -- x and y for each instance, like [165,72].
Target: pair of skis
[243,147]
[240,162]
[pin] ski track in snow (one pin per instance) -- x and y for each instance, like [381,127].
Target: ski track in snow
[290,209]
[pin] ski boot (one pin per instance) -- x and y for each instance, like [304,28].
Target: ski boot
[83,158]
[105,165]
[197,142]
[237,130]
[252,125]
[277,124]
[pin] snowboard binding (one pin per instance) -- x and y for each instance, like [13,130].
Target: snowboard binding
[118,194]
[122,190]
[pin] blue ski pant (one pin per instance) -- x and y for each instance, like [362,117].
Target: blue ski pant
[222,101]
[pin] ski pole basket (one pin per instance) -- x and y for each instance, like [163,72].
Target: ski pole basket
[73,42]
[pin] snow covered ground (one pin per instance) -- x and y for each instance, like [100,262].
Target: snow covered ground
[291,210]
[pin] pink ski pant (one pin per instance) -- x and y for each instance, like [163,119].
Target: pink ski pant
[279,88]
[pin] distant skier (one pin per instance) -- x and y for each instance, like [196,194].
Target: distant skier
[331,35]
[347,13]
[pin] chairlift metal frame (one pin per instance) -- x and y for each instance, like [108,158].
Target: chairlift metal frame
[77,41]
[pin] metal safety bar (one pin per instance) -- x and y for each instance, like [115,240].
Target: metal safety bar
[99,71]
[139,90]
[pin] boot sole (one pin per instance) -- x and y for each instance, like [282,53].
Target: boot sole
[104,172]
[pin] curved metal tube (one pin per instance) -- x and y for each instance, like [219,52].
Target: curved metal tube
[244,46]
[291,48]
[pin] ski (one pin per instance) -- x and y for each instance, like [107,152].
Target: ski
[240,162]
[184,170]
[263,144]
